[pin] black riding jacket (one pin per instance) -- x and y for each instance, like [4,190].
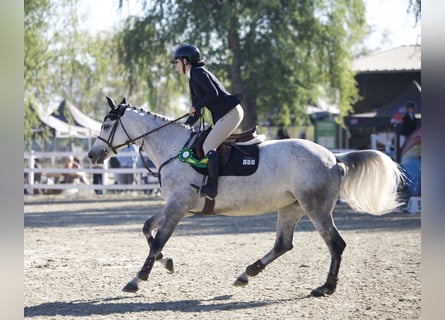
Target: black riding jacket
[409,125]
[207,91]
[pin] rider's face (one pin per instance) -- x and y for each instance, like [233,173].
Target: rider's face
[179,68]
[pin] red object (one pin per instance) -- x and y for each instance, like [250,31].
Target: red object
[398,118]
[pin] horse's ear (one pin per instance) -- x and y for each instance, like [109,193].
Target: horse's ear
[111,103]
[123,102]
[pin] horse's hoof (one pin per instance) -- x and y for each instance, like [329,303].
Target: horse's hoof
[131,287]
[143,275]
[241,282]
[169,265]
[322,291]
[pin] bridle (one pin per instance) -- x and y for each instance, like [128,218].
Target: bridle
[116,114]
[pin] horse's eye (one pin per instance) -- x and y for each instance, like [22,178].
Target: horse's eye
[106,126]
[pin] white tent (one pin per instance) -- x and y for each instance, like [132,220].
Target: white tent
[322,109]
[63,129]
[84,120]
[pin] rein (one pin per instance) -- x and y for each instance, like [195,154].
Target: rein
[130,141]
[158,174]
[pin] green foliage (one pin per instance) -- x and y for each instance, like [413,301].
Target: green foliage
[36,58]
[64,62]
[415,8]
[280,55]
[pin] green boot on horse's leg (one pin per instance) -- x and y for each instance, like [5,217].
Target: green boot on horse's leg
[210,190]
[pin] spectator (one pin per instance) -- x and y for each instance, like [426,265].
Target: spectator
[302,133]
[37,178]
[282,133]
[70,177]
[409,124]
[97,178]
[114,164]
[37,175]
[145,177]
[128,161]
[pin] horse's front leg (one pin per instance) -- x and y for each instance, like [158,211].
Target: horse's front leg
[147,230]
[170,219]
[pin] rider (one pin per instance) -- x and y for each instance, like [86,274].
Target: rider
[207,91]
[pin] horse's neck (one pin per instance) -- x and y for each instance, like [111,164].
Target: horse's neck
[164,143]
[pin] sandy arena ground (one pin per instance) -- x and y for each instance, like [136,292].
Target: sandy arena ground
[79,252]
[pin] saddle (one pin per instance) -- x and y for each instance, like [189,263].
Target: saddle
[244,144]
[238,156]
[248,137]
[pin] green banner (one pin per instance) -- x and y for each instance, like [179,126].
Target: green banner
[326,133]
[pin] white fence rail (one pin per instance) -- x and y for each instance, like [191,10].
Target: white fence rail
[52,173]
[384,139]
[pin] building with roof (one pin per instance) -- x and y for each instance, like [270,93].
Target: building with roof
[382,76]
[385,80]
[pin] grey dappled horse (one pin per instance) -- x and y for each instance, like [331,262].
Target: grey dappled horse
[294,177]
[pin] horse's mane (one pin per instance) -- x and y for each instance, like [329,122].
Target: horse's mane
[154,114]
[118,110]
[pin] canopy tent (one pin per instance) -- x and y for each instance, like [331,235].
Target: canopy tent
[63,129]
[84,120]
[66,122]
[68,113]
[383,115]
[411,93]
[321,110]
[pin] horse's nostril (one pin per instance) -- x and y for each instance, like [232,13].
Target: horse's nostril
[90,155]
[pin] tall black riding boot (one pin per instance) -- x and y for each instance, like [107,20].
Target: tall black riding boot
[210,190]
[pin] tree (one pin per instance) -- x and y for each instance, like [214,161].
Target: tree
[278,55]
[415,8]
[64,62]
[147,69]
[36,58]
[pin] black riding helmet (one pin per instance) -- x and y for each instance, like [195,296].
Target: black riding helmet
[189,52]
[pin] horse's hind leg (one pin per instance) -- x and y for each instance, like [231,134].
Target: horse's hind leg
[287,218]
[324,223]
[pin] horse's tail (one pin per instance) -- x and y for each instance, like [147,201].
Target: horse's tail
[371,181]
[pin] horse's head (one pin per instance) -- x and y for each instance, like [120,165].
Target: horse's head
[113,135]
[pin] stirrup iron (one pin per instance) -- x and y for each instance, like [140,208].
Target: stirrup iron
[198,191]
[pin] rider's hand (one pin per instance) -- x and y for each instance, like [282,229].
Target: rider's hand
[192,111]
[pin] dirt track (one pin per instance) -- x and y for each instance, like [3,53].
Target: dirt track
[80,252]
